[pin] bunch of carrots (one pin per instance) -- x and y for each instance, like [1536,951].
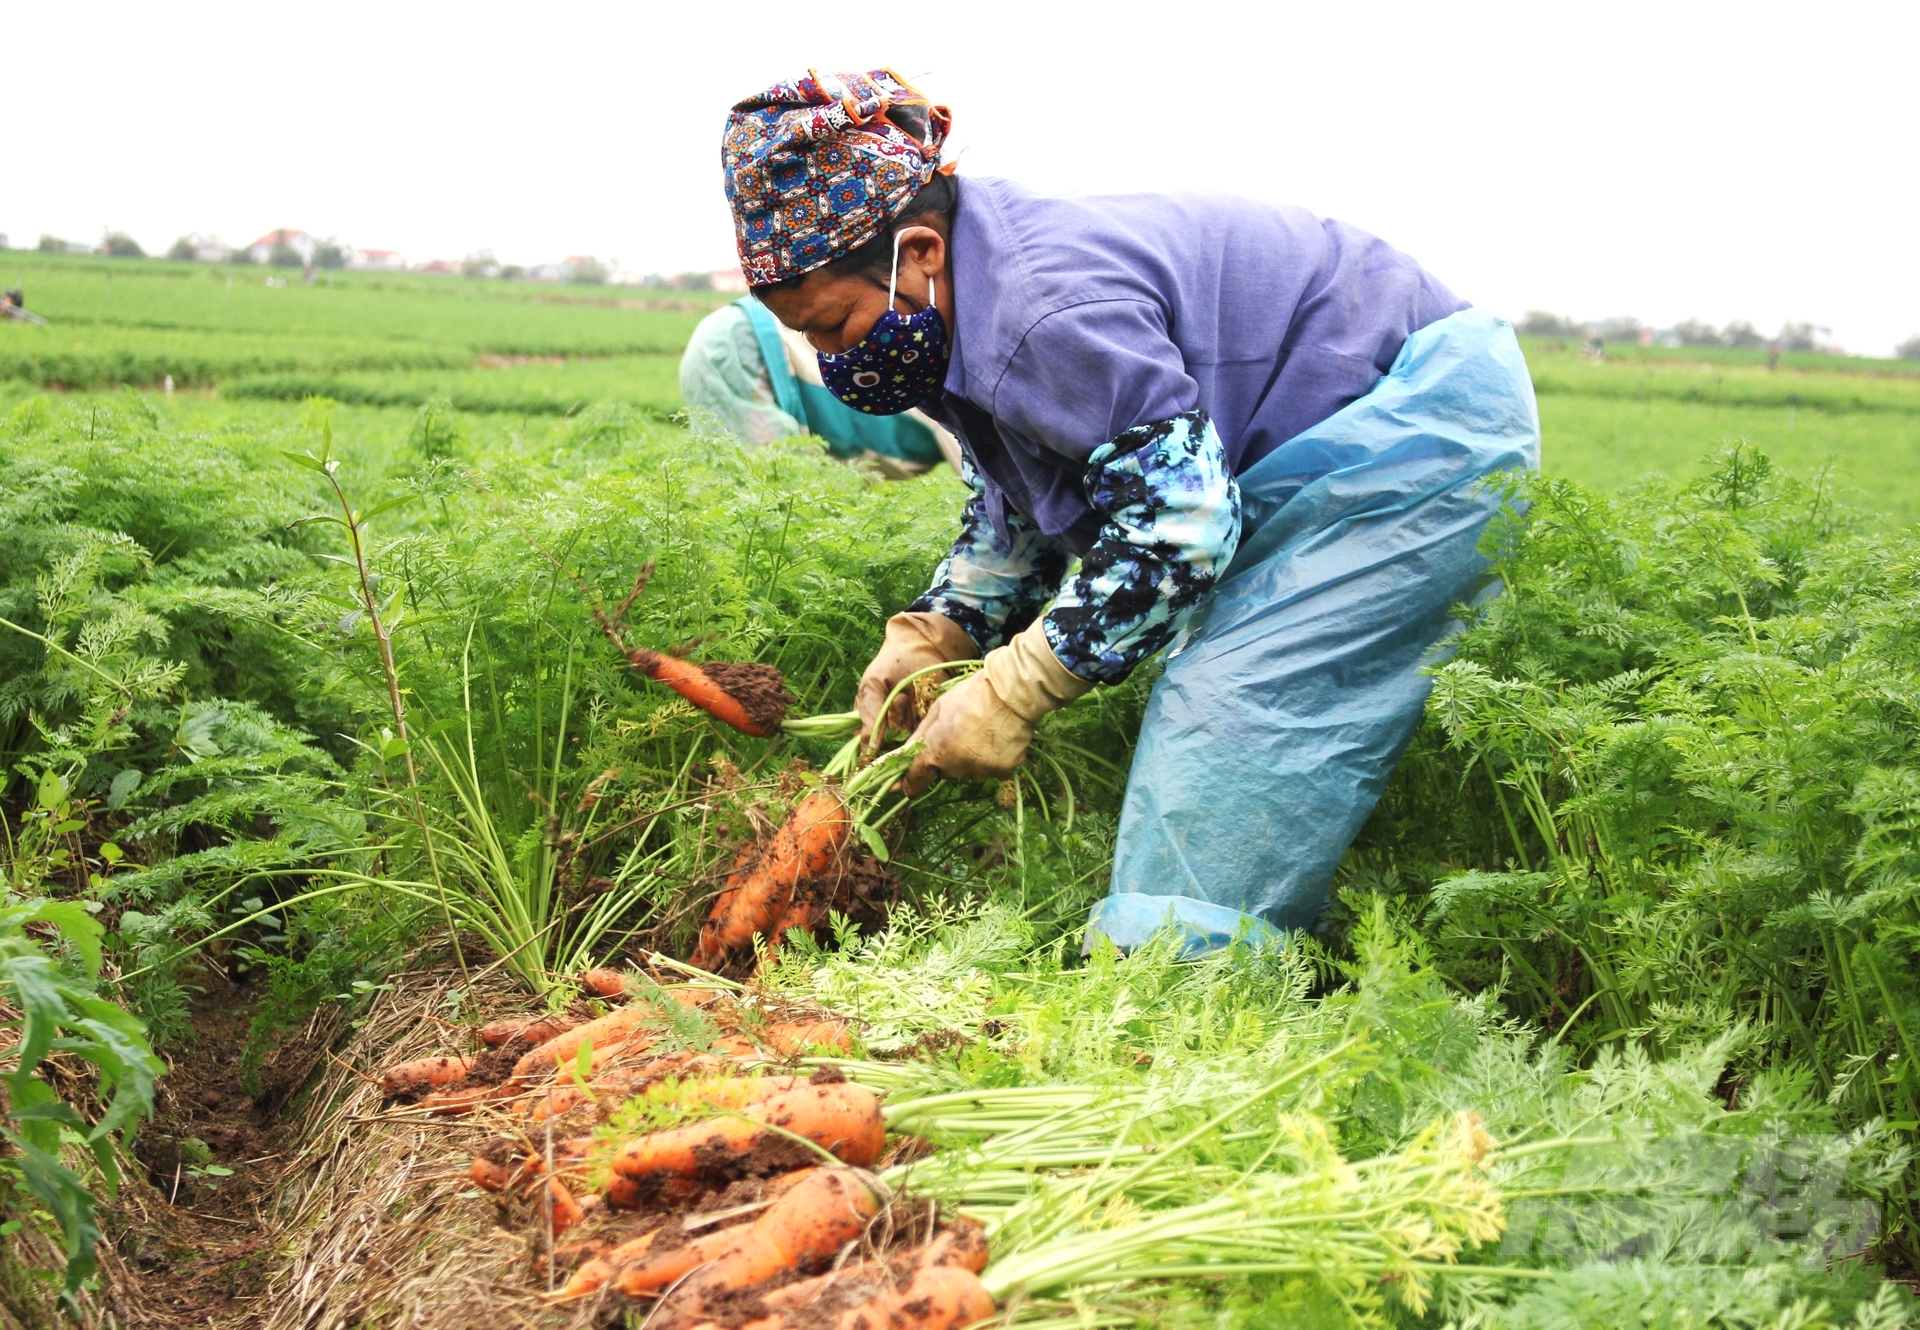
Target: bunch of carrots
[755,1208]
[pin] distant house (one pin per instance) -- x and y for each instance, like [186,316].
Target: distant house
[298,241]
[209,249]
[441,266]
[729,279]
[378,260]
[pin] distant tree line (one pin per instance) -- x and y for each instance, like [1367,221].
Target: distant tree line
[1739,334]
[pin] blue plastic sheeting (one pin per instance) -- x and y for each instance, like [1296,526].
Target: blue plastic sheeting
[1130,918]
[848,432]
[1269,737]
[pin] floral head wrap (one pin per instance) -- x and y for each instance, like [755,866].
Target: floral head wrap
[816,167]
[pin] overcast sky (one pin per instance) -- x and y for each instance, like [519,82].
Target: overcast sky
[1665,160]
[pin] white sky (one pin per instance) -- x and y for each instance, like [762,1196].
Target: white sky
[1664,160]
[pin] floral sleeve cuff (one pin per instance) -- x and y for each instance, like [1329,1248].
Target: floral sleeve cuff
[1173,523]
[989,586]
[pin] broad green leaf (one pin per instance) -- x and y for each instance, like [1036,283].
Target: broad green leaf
[307,460]
[122,789]
[76,924]
[35,985]
[66,1197]
[52,792]
[387,506]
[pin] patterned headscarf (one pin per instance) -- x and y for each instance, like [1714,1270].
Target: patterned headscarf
[817,166]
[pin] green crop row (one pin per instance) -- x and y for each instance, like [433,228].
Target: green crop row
[101,357]
[648,382]
[1574,375]
[507,318]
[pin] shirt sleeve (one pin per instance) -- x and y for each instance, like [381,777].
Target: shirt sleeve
[1086,374]
[992,587]
[1172,524]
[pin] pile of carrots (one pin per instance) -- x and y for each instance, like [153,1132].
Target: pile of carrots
[779,885]
[753,1210]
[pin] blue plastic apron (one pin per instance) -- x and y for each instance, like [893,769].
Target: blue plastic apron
[1271,734]
[848,432]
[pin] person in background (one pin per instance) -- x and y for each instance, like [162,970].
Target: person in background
[13,305]
[1261,442]
[760,382]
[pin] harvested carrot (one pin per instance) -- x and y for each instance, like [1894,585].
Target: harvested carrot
[566,1255]
[707,952]
[803,914]
[756,896]
[637,1271]
[604,983]
[700,687]
[490,1175]
[560,1208]
[843,1119]
[792,1038]
[611,1030]
[725,1092]
[424,1074]
[939,1297]
[594,1274]
[933,1297]
[533,1029]
[800,1231]
[964,1245]
[453,1102]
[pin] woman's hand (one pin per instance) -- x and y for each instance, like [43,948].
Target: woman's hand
[979,729]
[915,641]
[970,733]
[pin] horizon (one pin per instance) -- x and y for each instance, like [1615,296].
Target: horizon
[1715,163]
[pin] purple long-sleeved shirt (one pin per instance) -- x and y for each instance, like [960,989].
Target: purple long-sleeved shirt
[1081,318]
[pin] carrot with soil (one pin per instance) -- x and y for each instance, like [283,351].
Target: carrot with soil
[533,1029]
[842,1119]
[616,1028]
[804,1229]
[424,1074]
[752,698]
[757,894]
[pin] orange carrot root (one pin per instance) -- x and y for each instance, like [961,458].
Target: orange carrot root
[793,1038]
[534,1029]
[561,1209]
[424,1074]
[757,894]
[802,1230]
[448,1103]
[604,983]
[616,1028]
[843,1119]
[693,683]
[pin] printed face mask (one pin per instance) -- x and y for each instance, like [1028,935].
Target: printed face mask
[900,363]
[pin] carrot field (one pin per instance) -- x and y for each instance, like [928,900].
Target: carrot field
[417,914]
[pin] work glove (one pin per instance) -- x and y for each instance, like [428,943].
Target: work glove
[979,729]
[915,640]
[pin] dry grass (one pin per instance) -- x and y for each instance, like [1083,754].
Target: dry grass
[376,1212]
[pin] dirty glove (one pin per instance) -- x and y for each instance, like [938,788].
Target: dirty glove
[914,641]
[979,729]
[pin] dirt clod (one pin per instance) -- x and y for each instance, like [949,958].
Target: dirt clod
[760,690]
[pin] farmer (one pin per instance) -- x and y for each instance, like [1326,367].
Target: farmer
[1266,437]
[760,382]
[13,305]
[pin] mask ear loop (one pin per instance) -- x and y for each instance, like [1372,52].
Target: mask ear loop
[893,278]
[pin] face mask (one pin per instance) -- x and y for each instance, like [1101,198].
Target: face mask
[900,363]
